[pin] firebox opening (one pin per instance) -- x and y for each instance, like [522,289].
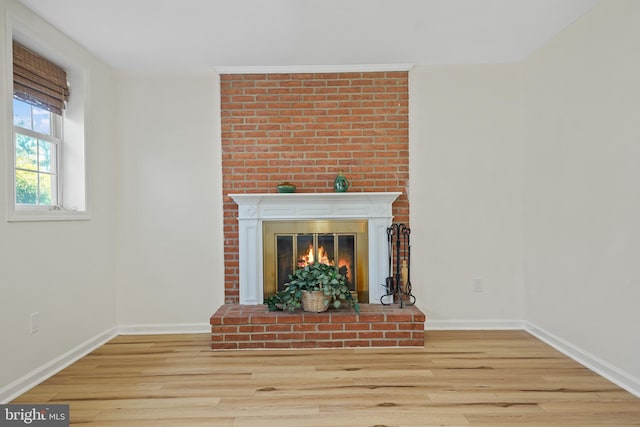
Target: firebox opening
[289,245]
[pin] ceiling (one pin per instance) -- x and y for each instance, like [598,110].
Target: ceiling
[179,34]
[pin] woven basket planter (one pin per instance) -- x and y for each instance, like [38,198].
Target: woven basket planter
[314,301]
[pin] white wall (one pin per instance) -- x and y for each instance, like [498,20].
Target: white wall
[465,194]
[65,269]
[582,187]
[170,254]
[527,176]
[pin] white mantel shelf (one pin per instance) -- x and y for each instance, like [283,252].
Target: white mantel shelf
[314,205]
[254,208]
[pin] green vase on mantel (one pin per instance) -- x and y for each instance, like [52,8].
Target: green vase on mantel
[341,183]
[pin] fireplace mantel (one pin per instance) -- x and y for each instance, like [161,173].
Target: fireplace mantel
[254,208]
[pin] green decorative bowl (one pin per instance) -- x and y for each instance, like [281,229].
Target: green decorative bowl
[285,187]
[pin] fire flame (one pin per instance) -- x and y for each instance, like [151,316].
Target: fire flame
[323,258]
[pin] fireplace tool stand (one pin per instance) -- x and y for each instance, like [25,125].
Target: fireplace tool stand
[398,283]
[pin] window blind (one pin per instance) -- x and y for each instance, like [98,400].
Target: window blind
[38,81]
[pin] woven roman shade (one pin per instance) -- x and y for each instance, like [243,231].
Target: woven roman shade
[38,81]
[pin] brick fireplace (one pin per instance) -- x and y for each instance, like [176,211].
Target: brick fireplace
[304,128]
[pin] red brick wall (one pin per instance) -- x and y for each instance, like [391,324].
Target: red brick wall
[304,128]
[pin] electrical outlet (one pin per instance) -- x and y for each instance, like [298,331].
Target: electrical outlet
[35,322]
[478,285]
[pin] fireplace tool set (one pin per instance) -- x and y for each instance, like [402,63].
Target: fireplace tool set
[398,283]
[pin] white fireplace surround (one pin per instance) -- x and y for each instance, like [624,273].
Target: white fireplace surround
[253,209]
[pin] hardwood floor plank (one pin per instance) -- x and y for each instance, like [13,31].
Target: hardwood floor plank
[461,378]
[138,403]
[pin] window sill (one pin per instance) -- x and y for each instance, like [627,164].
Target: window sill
[47,215]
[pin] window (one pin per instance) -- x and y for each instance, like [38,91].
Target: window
[40,91]
[38,143]
[47,168]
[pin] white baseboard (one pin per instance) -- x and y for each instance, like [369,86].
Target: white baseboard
[38,375]
[599,366]
[164,328]
[469,325]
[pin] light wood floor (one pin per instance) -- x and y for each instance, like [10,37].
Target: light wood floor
[497,378]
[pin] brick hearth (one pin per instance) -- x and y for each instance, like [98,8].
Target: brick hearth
[254,327]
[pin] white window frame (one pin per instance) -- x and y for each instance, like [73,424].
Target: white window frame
[56,138]
[73,200]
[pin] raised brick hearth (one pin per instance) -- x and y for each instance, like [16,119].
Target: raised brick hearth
[236,327]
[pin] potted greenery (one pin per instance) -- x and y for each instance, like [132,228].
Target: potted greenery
[313,288]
